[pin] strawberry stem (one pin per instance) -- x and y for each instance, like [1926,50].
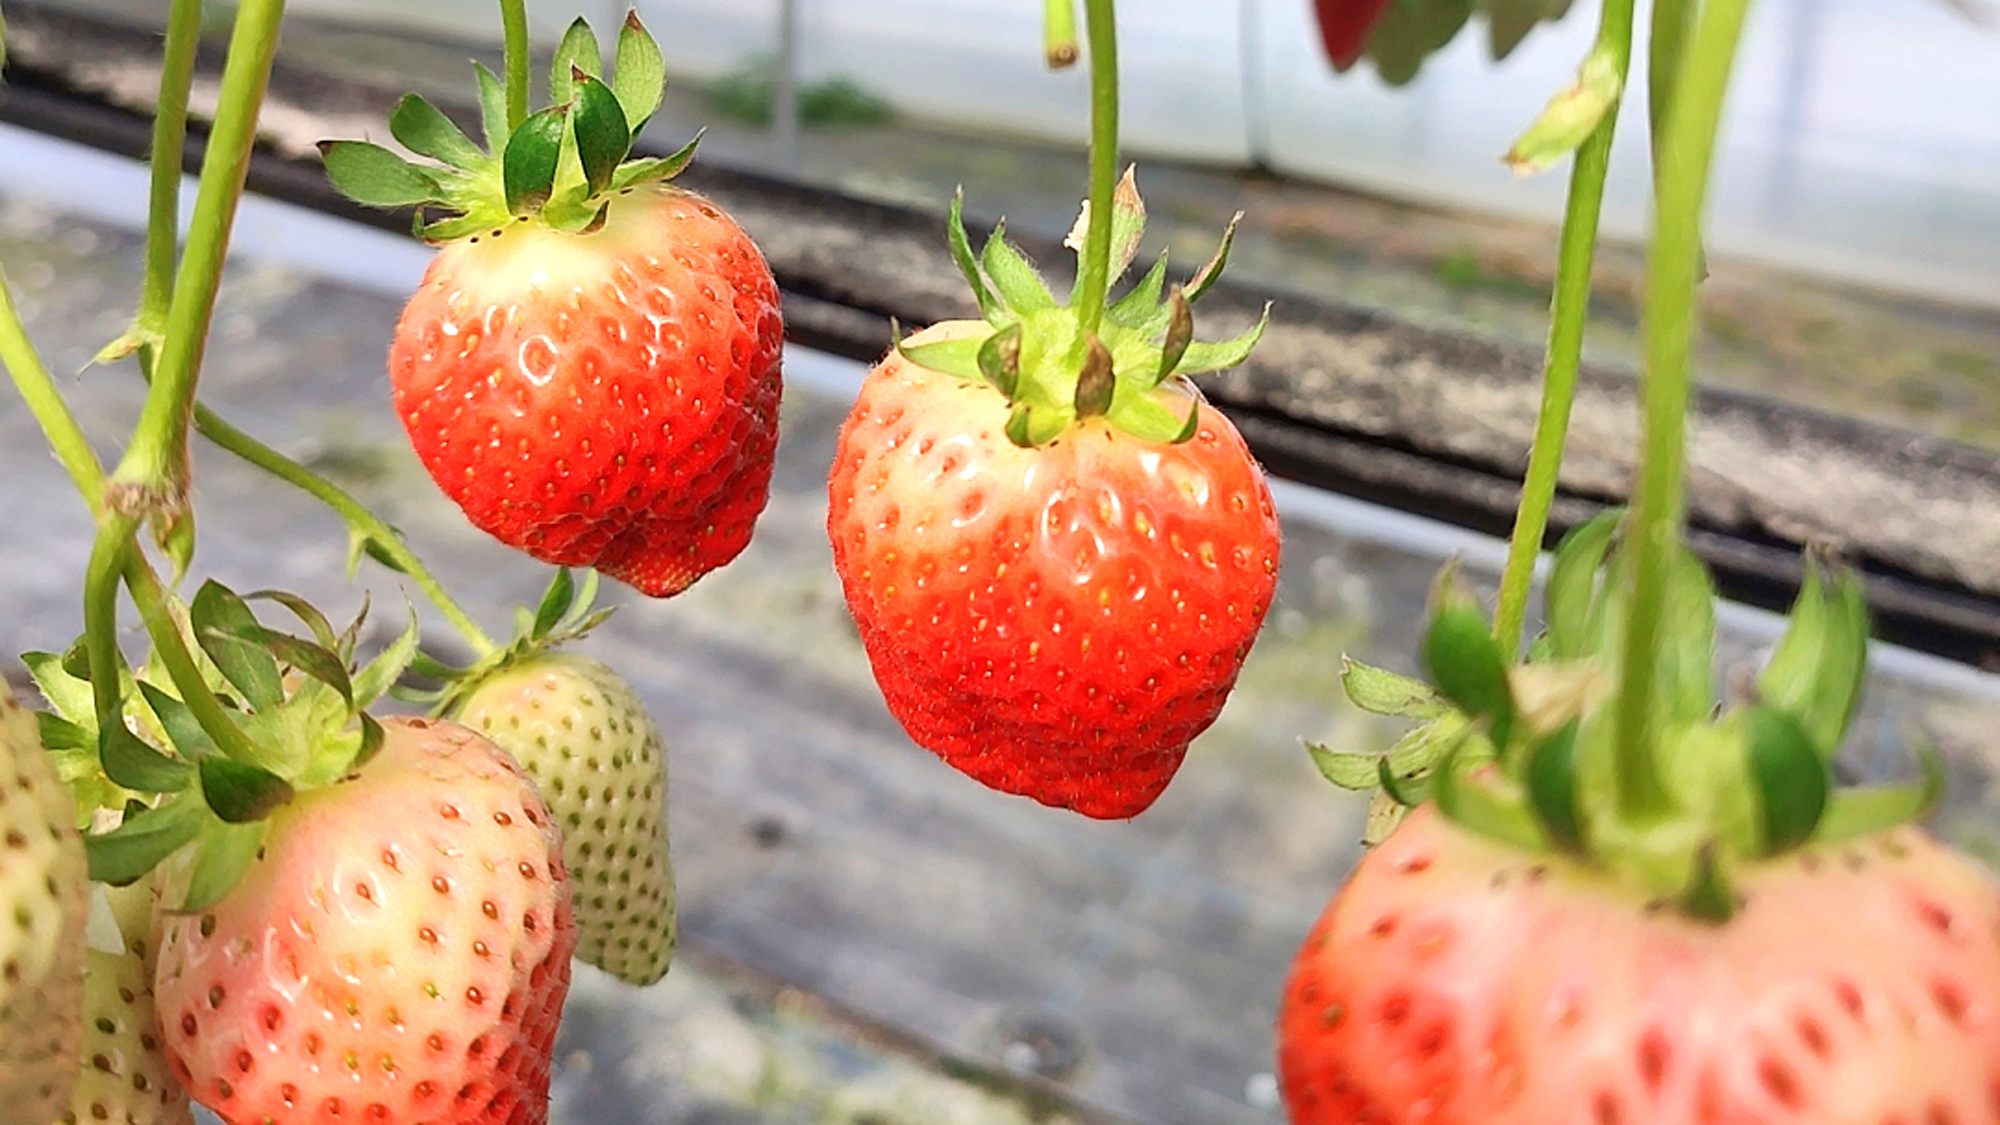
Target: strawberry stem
[1568,311]
[357,516]
[1093,280]
[169,140]
[1673,273]
[514,33]
[38,389]
[156,460]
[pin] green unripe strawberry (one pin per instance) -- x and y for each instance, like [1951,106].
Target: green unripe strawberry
[43,901]
[588,740]
[125,1078]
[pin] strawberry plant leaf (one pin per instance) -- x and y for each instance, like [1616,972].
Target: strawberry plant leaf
[1020,287]
[655,167]
[990,307]
[1817,668]
[240,793]
[423,128]
[1552,789]
[1382,692]
[577,51]
[373,176]
[602,136]
[228,632]
[125,854]
[225,852]
[1571,597]
[492,106]
[1220,355]
[1789,776]
[528,168]
[1205,278]
[183,730]
[640,72]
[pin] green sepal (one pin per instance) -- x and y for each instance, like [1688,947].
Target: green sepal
[307,613]
[640,73]
[1179,336]
[602,136]
[1410,31]
[227,631]
[313,660]
[1708,896]
[1410,787]
[556,603]
[225,852]
[1789,777]
[1870,809]
[1220,355]
[1572,595]
[1096,383]
[1145,417]
[240,793]
[1128,225]
[373,176]
[1487,803]
[1687,652]
[129,762]
[60,735]
[1139,309]
[1464,660]
[1028,427]
[655,168]
[1020,288]
[958,356]
[452,229]
[182,729]
[578,51]
[376,677]
[67,692]
[1509,21]
[999,359]
[990,308]
[423,128]
[372,737]
[1571,116]
[1817,669]
[1418,751]
[492,106]
[1552,789]
[1379,691]
[1205,278]
[128,852]
[528,169]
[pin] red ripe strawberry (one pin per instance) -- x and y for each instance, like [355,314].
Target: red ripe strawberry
[591,367]
[1344,26]
[1056,620]
[398,952]
[1460,980]
[605,399]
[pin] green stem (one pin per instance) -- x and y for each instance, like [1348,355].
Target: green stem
[45,402]
[514,30]
[1673,272]
[1094,270]
[155,464]
[1059,32]
[1673,21]
[170,647]
[358,517]
[101,576]
[169,140]
[1568,312]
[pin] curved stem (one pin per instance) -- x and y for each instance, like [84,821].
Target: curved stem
[514,32]
[100,615]
[1673,272]
[156,461]
[170,646]
[169,140]
[1568,311]
[45,402]
[364,522]
[1094,271]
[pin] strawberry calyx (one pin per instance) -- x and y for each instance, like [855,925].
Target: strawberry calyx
[1053,367]
[159,785]
[1528,752]
[566,612]
[560,165]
